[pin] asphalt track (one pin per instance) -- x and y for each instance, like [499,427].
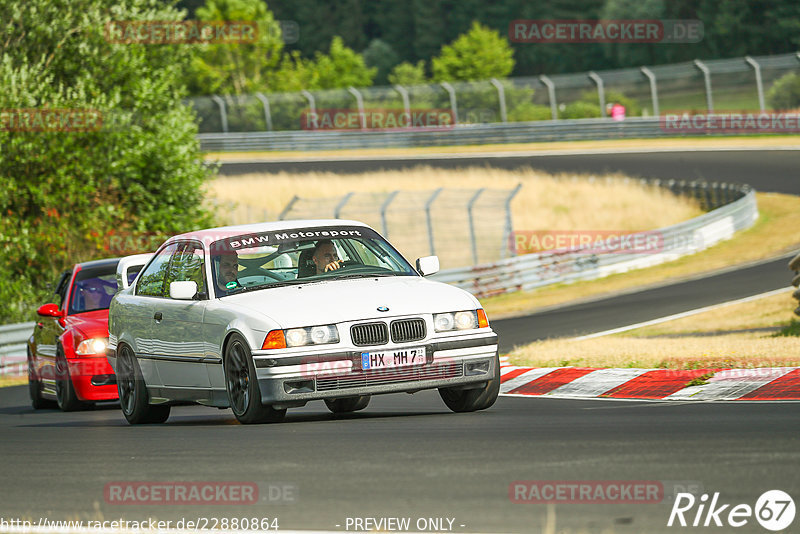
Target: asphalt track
[407,456]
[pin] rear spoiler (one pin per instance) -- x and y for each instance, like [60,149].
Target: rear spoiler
[129,265]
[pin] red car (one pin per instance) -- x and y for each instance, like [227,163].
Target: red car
[67,351]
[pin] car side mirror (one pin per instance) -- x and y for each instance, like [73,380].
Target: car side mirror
[184,290]
[428,265]
[49,310]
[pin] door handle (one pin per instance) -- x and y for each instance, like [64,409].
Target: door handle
[157,316]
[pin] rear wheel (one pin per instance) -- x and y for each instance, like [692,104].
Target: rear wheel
[35,387]
[133,396]
[66,397]
[471,400]
[350,404]
[244,394]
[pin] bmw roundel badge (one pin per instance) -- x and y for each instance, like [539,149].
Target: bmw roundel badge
[383,309]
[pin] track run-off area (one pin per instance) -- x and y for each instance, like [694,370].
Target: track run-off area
[407,456]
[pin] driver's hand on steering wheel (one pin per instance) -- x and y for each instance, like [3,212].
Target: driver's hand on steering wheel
[332,266]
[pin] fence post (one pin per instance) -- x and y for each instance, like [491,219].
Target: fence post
[472,237]
[601,94]
[501,96]
[653,88]
[288,208]
[406,102]
[759,85]
[312,104]
[384,207]
[360,103]
[453,105]
[551,94]
[267,113]
[223,114]
[707,77]
[509,226]
[428,204]
[338,210]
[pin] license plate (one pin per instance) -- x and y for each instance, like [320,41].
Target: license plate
[392,358]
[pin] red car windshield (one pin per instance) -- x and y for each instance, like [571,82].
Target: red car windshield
[93,290]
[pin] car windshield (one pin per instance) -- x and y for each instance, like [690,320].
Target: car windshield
[93,289]
[304,255]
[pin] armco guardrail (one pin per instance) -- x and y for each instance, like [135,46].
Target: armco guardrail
[468,134]
[12,347]
[530,271]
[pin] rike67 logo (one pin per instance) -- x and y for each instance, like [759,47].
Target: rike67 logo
[774,510]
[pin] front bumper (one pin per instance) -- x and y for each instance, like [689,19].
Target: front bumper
[295,380]
[93,378]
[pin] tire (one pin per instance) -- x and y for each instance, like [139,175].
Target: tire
[244,394]
[133,397]
[347,405]
[471,400]
[35,387]
[66,397]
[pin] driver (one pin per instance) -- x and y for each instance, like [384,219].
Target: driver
[325,257]
[228,270]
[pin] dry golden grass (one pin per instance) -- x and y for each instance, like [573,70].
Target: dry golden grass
[545,202]
[746,350]
[768,237]
[15,380]
[616,144]
[643,348]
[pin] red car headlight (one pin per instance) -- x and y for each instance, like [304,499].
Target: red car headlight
[92,346]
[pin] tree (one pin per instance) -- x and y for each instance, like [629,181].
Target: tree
[408,74]
[381,56]
[237,68]
[785,92]
[340,67]
[64,193]
[479,54]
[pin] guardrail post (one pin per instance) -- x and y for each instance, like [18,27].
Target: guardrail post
[472,237]
[360,103]
[406,102]
[288,208]
[509,226]
[428,204]
[267,113]
[338,210]
[551,95]
[759,85]
[501,97]
[653,88]
[453,104]
[223,114]
[384,207]
[312,103]
[601,94]
[707,77]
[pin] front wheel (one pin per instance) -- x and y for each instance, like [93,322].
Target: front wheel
[350,404]
[66,396]
[133,397]
[241,384]
[471,400]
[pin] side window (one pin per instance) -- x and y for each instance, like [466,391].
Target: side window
[151,283]
[188,265]
[61,288]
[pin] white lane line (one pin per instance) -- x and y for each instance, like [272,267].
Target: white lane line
[526,377]
[731,384]
[685,314]
[596,383]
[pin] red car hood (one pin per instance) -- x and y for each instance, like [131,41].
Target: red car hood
[89,324]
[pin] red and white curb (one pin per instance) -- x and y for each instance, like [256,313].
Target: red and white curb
[772,383]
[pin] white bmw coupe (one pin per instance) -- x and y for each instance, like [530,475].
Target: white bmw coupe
[269,316]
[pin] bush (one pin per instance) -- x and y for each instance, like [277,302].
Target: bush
[579,110]
[64,193]
[528,111]
[785,92]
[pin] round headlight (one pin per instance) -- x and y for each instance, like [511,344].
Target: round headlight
[296,337]
[321,334]
[91,346]
[443,322]
[465,320]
